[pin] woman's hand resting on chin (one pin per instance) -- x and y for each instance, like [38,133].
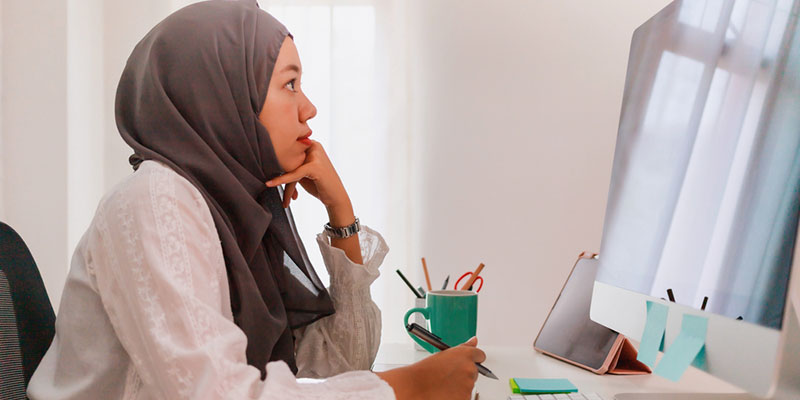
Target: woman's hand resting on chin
[317,176]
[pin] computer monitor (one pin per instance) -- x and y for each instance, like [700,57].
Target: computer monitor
[705,185]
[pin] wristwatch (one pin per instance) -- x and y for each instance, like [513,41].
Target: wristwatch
[343,232]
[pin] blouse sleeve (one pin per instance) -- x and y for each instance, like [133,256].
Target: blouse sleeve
[157,266]
[349,339]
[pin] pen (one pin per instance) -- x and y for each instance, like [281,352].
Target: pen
[444,285]
[416,293]
[437,342]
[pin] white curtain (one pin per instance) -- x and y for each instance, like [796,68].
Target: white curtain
[353,59]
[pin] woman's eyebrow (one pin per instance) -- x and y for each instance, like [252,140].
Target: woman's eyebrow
[292,67]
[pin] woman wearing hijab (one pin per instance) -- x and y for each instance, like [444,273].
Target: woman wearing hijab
[191,281]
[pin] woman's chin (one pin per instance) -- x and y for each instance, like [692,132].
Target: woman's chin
[294,164]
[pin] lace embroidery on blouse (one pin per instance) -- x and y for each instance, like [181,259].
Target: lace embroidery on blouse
[150,234]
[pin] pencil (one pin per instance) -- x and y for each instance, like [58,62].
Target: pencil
[427,278]
[473,277]
[403,277]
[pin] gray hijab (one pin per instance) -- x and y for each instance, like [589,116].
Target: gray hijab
[189,97]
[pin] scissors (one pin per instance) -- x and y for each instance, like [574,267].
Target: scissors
[468,275]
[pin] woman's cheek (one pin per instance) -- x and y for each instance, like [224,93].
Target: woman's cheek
[290,157]
[299,160]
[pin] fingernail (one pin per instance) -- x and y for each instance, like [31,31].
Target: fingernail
[269,183]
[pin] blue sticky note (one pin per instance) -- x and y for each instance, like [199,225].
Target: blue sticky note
[653,335]
[540,386]
[686,348]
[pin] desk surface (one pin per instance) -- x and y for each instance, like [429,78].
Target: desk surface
[524,362]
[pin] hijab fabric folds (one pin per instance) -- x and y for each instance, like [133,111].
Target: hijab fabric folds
[189,97]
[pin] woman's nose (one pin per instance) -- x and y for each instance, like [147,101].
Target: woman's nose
[308,110]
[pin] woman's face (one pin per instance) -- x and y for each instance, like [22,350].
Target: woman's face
[287,110]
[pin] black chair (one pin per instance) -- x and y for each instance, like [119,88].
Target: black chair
[27,321]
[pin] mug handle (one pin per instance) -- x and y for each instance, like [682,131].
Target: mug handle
[425,313]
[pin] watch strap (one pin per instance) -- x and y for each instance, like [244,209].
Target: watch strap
[345,231]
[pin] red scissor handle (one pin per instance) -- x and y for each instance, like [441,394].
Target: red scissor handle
[467,275]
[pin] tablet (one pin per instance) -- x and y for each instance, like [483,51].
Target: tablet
[568,334]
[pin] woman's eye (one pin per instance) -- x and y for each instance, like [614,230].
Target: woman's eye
[290,85]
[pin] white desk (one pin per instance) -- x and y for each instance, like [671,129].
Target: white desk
[524,362]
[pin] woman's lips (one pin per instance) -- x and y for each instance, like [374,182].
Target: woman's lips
[305,139]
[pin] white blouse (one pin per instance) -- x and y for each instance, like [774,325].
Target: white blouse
[145,313]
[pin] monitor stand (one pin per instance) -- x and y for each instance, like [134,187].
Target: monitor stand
[788,385]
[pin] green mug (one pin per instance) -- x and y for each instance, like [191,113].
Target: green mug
[451,314]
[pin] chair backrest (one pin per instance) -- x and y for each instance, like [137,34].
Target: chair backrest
[27,321]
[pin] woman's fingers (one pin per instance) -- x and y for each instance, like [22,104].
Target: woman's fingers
[289,193]
[309,186]
[288,177]
[478,356]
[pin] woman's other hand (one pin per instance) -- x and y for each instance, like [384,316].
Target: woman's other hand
[317,176]
[450,374]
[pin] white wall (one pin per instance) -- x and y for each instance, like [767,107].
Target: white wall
[125,23]
[515,112]
[60,150]
[85,134]
[34,125]
[2,170]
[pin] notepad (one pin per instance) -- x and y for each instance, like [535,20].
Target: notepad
[541,386]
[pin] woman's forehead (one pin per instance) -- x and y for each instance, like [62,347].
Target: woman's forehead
[288,58]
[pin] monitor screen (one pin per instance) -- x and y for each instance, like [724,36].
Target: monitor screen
[705,185]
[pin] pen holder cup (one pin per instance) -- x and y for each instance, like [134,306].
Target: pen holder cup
[451,315]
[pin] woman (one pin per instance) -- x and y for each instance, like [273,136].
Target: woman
[191,281]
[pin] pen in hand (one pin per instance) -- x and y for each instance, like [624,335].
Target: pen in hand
[437,342]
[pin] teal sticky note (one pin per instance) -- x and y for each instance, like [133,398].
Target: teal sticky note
[653,335]
[685,349]
[541,386]
[700,362]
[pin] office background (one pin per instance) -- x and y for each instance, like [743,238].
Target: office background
[465,132]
